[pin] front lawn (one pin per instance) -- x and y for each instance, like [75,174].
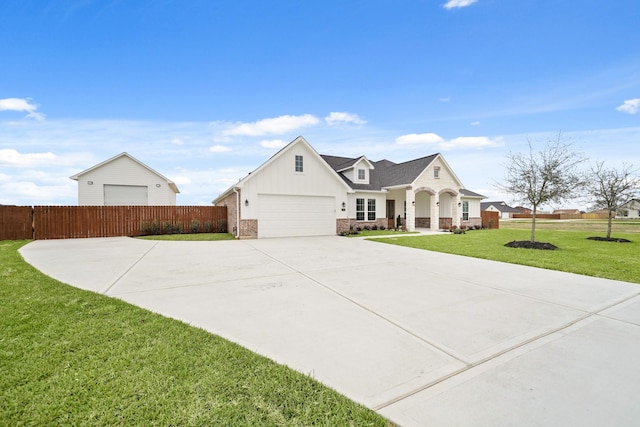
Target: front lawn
[576,254]
[73,357]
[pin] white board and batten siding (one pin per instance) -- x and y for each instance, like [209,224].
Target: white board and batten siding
[123,181]
[290,203]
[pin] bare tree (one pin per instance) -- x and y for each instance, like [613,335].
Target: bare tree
[609,188]
[547,176]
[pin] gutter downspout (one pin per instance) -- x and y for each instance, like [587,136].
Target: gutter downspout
[235,190]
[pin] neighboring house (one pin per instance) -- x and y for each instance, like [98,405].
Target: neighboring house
[523,210]
[629,210]
[298,192]
[125,181]
[501,207]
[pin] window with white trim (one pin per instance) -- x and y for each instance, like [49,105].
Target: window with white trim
[465,211]
[360,209]
[299,164]
[371,209]
[436,172]
[361,175]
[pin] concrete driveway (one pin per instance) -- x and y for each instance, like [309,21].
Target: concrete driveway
[423,338]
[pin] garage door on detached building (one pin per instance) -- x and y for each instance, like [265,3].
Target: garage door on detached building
[126,195]
[287,216]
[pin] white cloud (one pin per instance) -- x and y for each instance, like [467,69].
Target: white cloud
[422,138]
[476,123]
[447,99]
[630,106]
[273,126]
[11,157]
[21,104]
[273,143]
[339,118]
[469,142]
[476,142]
[177,141]
[458,3]
[219,149]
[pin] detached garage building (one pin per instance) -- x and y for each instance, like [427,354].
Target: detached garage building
[124,181]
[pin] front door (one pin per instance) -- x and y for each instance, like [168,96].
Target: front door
[391,213]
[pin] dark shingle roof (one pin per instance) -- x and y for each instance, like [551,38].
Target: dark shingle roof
[468,193]
[385,172]
[501,206]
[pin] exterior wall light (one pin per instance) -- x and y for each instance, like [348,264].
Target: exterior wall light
[413,203]
[437,203]
[158,185]
[459,204]
[344,206]
[246,202]
[90,182]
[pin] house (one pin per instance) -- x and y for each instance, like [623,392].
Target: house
[298,192]
[501,207]
[523,210]
[629,210]
[124,180]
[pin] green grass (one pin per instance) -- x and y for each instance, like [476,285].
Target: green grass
[576,254]
[190,237]
[72,357]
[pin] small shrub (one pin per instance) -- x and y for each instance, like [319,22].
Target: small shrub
[457,231]
[194,227]
[382,227]
[358,228]
[154,227]
[208,227]
[145,228]
[222,226]
[366,227]
[167,227]
[177,228]
[463,227]
[374,227]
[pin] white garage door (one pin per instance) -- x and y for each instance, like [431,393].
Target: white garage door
[288,216]
[125,195]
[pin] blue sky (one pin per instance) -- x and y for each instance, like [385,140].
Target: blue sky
[204,91]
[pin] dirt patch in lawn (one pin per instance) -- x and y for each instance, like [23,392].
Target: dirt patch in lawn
[527,244]
[610,239]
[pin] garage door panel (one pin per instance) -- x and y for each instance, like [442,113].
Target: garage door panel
[287,216]
[126,195]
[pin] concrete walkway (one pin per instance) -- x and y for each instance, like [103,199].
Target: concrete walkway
[424,338]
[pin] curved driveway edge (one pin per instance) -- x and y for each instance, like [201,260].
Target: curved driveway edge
[424,338]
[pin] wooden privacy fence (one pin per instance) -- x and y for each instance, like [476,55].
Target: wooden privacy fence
[68,222]
[490,219]
[16,222]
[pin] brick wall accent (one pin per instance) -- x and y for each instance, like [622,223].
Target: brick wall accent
[343,224]
[423,222]
[232,213]
[472,222]
[248,229]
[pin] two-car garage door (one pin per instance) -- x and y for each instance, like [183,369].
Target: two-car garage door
[288,216]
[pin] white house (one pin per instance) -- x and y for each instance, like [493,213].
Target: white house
[629,210]
[501,207]
[298,192]
[124,180]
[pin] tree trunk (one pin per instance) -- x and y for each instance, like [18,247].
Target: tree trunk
[533,224]
[609,220]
